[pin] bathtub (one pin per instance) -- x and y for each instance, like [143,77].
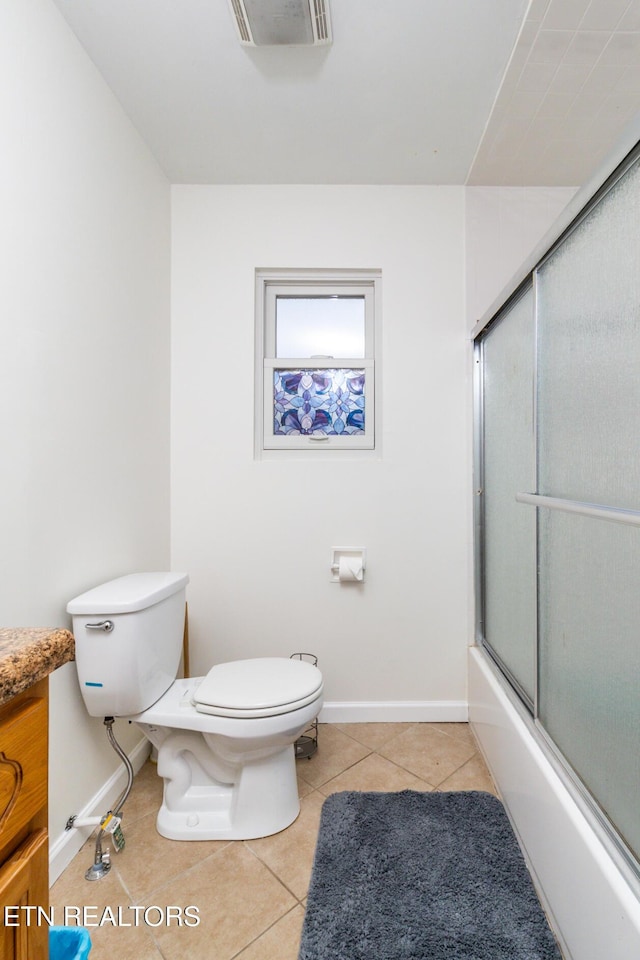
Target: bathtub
[591,899]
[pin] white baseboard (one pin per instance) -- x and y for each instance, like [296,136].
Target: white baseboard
[63,849]
[395,711]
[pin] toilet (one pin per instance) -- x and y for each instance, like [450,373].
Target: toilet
[225,741]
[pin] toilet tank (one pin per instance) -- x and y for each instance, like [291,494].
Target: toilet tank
[129,635]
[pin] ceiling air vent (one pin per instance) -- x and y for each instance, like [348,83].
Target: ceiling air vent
[265,23]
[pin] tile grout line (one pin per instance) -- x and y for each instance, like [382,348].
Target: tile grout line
[273,874]
[316,786]
[184,873]
[238,955]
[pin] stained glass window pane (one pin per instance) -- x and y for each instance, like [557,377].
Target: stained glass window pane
[313,401]
[332,326]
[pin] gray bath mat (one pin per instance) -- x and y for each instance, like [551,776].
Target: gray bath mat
[421,876]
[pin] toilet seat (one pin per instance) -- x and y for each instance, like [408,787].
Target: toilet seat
[262,687]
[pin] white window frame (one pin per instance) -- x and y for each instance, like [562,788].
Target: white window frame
[273,283]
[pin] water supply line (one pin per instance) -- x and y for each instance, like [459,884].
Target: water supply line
[110,823]
[122,799]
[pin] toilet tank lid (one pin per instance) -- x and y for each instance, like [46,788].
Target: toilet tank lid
[136,591]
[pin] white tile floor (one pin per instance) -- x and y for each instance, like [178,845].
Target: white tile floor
[251,894]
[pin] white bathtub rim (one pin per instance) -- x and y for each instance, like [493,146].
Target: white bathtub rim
[622,882]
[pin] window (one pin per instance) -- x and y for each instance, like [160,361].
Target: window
[316,360]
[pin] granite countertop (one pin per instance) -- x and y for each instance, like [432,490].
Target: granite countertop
[28,654]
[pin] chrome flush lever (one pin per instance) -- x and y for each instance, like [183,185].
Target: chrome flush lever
[104,625]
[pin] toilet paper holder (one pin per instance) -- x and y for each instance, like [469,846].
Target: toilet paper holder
[347,564]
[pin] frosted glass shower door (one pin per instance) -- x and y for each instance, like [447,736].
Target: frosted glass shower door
[588,304]
[589,688]
[509,530]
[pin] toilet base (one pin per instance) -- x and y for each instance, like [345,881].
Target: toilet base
[261,800]
[224,778]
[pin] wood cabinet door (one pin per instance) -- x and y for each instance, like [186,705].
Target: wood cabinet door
[23,766]
[24,882]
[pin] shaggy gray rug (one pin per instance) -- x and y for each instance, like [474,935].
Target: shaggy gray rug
[421,876]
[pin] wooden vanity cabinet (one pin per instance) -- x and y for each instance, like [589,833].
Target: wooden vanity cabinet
[24,853]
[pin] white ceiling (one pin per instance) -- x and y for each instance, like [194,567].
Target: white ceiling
[500,92]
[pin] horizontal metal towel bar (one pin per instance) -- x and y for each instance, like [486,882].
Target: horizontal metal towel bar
[595,510]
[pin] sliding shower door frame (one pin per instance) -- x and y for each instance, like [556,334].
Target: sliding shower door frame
[479,490]
[529,709]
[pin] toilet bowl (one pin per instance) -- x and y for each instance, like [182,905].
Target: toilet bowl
[225,741]
[229,776]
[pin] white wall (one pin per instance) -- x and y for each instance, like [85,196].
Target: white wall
[84,365]
[256,535]
[503,226]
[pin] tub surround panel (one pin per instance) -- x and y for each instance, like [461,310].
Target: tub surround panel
[28,654]
[593,908]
